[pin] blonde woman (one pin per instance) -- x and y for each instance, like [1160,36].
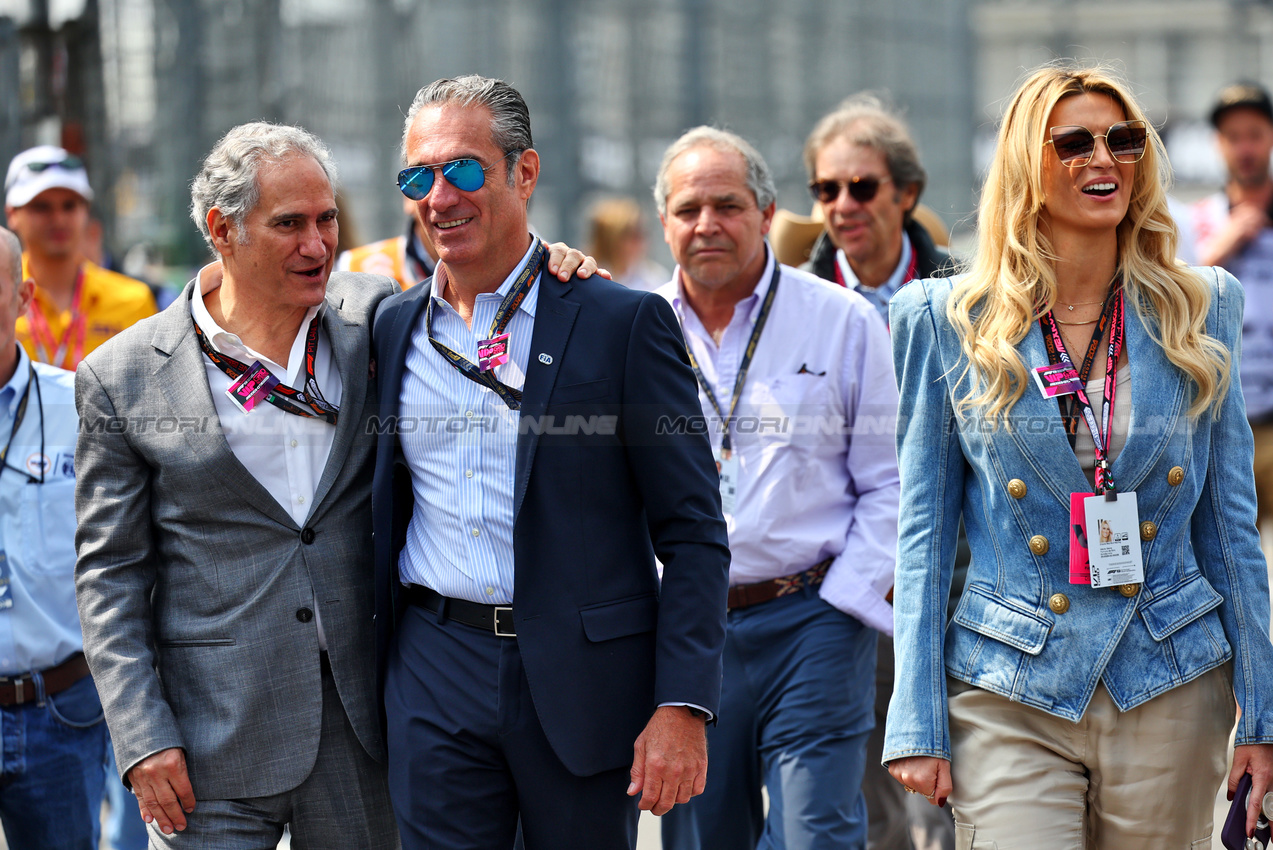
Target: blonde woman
[1085,702]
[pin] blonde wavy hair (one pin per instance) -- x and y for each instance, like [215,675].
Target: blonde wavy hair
[1011,280]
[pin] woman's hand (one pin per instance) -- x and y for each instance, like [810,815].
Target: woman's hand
[926,775]
[1257,760]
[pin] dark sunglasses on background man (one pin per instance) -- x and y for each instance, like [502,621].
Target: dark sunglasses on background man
[467,175]
[1076,145]
[861,189]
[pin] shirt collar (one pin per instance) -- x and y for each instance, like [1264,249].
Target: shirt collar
[895,280]
[11,392]
[751,303]
[208,279]
[529,303]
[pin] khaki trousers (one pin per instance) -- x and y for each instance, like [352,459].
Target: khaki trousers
[1146,778]
[1263,467]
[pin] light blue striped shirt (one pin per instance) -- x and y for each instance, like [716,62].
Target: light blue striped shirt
[460,442]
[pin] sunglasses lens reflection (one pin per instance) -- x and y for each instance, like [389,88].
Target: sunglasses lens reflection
[1127,142]
[415,182]
[1073,144]
[467,175]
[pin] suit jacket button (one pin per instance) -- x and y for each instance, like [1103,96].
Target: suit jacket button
[1039,544]
[304,615]
[1059,603]
[1129,590]
[1148,531]
[1175,476]
[1017,488]
[307,536]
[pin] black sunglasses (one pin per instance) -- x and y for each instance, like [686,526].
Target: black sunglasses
[1076,145]
[861,189]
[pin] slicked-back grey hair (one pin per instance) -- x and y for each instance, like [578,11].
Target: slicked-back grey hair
[864,120]
[13,249]
[759,180]
[228,178]
[510,117]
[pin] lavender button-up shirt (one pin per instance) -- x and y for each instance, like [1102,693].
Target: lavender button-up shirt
[814,437]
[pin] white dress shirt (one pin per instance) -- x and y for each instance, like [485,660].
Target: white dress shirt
[462,451]
[814,436]
[285,452]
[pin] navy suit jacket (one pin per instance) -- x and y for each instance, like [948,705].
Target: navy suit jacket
[602,643]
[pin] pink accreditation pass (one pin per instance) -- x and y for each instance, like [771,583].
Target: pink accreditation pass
[1080,563]
[250,389]
[1057,379]
[492,352]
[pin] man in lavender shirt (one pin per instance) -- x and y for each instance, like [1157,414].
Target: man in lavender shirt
[797,390]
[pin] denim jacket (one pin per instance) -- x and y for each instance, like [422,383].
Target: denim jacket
[1205,598]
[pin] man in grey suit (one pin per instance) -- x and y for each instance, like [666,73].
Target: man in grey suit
[224,538]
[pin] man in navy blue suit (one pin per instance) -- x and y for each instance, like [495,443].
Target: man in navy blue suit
[533,461]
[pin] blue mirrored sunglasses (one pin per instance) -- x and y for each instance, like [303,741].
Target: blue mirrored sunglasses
[467,175]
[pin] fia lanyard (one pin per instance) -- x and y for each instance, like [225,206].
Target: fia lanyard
[507,307]
[21,413]
[308,402]
[77,328]
[726,445]
[1111,315]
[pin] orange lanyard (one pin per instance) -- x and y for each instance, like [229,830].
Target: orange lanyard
[77,327]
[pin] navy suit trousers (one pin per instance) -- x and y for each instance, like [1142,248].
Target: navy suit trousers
[468,757]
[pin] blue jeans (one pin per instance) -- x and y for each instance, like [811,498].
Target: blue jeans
[125,830]
[51,770]
[797,705]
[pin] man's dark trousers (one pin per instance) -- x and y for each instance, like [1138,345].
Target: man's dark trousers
[475,741]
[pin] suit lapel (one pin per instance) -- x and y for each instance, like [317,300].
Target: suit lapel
[554,320]
[349,346]
[182,378]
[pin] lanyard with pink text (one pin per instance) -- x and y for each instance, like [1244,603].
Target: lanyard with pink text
[1101,436]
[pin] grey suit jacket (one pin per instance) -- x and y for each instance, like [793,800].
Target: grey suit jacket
[191,577]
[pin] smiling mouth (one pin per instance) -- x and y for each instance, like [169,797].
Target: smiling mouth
[1101,190]
[447,225]
[311,273]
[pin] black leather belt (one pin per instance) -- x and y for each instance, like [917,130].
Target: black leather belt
[491,618]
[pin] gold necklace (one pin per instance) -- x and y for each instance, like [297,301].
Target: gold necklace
[1071,307]
[1059,322]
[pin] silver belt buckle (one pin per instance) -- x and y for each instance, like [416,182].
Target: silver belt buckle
[501,633]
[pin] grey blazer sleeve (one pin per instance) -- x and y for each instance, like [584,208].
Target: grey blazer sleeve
[114,573]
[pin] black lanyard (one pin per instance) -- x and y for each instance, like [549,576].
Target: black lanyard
[308,402]
[1111,316]
[507,307]
[726,445]
[17,423]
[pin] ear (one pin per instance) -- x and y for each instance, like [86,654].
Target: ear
[767,217]
[909,198]
[26,291]
[219,228]
[526,173]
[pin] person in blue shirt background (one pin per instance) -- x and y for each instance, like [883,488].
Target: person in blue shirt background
[54,740]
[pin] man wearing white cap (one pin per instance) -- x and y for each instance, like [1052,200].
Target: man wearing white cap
[77,305]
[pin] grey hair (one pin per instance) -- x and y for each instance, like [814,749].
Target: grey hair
[863,119]
[13,247]
[229,180]
[759,179]
[510,117]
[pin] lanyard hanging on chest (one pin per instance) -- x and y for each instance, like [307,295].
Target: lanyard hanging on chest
[743,367]
[1112,316]
[76,328]
[494,350]
[308,402]
[21,413]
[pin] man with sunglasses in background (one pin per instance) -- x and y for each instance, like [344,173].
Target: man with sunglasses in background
[797,390]
[527,476]
[1234,229]
[51,725]
[78,305]
[865,174]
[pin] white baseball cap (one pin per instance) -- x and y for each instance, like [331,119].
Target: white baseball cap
[44,167]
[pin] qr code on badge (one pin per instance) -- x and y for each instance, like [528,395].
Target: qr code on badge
[1127,550]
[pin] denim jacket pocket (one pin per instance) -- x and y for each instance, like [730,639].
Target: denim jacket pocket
[986,614]
[1170,610]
